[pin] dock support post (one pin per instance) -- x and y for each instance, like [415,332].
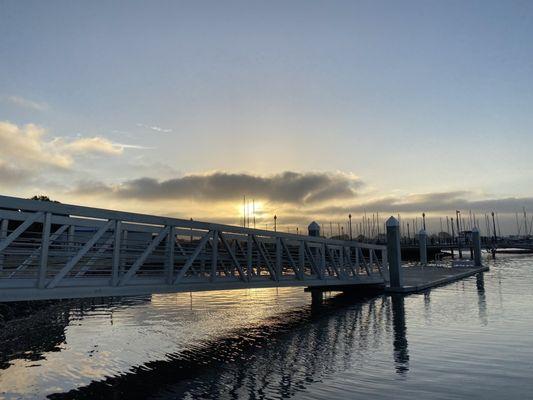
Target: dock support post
[476,241]
[394,253]
[317,296]
[422,241]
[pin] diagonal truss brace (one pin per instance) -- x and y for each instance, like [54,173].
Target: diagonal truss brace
[21,228]
[37,251]
[232,255]
[265,257]
[193,256]
[74,260]
[333,262]
[163,232]
[94,258]
[312,260]
[361,259]
[299,274]
[348,257]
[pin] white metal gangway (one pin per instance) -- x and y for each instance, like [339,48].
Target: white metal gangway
[51,250]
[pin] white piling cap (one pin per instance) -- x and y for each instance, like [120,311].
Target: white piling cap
[392,222]
[314,226]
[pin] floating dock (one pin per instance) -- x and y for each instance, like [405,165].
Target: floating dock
[419,278]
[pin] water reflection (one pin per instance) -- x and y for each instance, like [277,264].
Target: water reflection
[30,338]
[481,302]
[273,344]
[278,357]
[401,352]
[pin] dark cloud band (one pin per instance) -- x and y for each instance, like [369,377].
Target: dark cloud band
[286,187]
[435,202]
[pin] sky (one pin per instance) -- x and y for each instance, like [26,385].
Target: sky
[314,109]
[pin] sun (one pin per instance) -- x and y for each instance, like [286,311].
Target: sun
[250,211]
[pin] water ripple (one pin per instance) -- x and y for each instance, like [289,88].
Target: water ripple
[470,339]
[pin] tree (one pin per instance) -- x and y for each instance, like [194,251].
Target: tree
[41,197]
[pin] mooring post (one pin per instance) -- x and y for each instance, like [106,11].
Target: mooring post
[422,242]
[476,241]
[394,256]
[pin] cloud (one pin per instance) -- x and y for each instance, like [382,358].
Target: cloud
[25,103]
[133,146]
[94,145]
[438,202]
[155,128]
[286,187]
[25,148]
[91,187]
[11,175]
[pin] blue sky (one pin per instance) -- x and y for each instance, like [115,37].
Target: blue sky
[410,97]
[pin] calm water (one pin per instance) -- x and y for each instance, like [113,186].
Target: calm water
[471,339]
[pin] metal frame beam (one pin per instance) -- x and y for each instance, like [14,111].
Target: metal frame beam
[223,257]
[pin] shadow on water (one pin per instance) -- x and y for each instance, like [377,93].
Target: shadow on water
[28,338]
[278,357]
[32,333]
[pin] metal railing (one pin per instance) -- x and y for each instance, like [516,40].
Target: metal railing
[51,250]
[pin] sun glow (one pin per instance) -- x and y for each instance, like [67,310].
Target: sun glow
[250,212]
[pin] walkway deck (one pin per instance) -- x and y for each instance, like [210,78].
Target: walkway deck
[416,279]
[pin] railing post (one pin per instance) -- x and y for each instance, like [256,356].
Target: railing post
[116,253]
[301,259]
[394,253]
[171,240]
[357,261]
[476,240]
[45,242]
[422,242]
[385,262]
[278,258]
[123,260]
[214,255]
[323,260]
[3,235]
[249,243]
[70,238]
[342,266]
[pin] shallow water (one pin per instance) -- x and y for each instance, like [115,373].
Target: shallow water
[469,339]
